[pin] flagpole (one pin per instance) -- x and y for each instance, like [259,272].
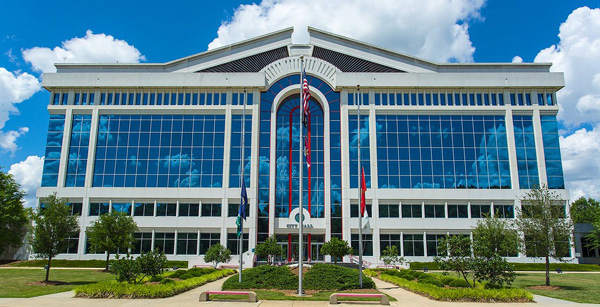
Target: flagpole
[300,205]
[241,242]
[360,246]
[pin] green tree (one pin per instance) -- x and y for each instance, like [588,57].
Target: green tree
[594,236]
[53,224]
[456,256]
[585,210]
[336,248]
[269,249]
[390,255]
[494,238]
[546,230]
[112,231]
[13,216]
[216,254]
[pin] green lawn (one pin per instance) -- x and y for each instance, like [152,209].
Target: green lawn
[61,263]
[17,282]
[581,288]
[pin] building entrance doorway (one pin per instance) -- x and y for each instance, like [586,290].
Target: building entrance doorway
[312,244]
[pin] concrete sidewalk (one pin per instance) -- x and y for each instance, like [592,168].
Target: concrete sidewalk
[190,298]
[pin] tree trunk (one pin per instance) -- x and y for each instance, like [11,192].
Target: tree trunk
[547,271]
[48,270]
[107,258]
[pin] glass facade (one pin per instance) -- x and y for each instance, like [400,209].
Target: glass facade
[160,151]
[365,152]
[447,151]
[526,156]
[287,156]
[554,171]
[53,147]
[78,150]
[235,161]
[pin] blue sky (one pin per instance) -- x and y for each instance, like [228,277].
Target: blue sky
[442,30]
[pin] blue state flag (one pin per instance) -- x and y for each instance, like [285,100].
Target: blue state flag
[243,201]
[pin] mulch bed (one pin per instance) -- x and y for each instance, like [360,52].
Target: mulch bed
[47,283]
[553,288]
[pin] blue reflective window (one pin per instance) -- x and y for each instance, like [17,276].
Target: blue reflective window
[525,147]
[53,148]
[159,151]
[364,149]
[78,150]
[553,161]
[431,151]
[235,169]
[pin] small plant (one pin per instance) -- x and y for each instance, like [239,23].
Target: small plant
[156,278]
[269,249]
[390,256]
[216,254]
[336,248]
[133,271]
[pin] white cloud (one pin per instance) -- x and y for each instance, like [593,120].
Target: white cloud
[434,30]
[580,152]
[11,57]
[8,140]
[517,59]
[92,48]
[28,174]
[14,89]
[577,56]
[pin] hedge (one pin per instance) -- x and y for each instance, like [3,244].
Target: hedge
[463,294]
[61,263]
[263,277]
[165,288]
[324,276]
[572,267]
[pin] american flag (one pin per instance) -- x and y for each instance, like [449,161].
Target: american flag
[305,104]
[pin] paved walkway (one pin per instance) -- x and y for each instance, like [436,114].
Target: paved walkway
[190,298]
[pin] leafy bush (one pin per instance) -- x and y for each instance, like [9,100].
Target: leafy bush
[197,272]
[333,277]
[217,253]
[178,273]
[446,280]
[416,274]
[166,288]
[571,267]
[462,294]
[156,278]
[263,277]
[133,271]
[459,283]
[186,276]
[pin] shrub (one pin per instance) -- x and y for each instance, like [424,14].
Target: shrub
[166,288]
[416,274]
[333,277]
[459,283]
[197,272]
[156,278]
[133,271]
[178,273]
[186,276]
[217,253]
[446,280]
[462,294]
[263,277]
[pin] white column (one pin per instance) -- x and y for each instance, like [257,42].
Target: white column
[89,171]
[539,147]
[512,150]
[424,243]
[64,152]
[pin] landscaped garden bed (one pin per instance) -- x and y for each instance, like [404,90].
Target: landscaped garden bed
[160,286]
[446,288]
[566,267]
[281,283]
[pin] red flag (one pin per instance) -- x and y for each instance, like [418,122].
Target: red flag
[363,189]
